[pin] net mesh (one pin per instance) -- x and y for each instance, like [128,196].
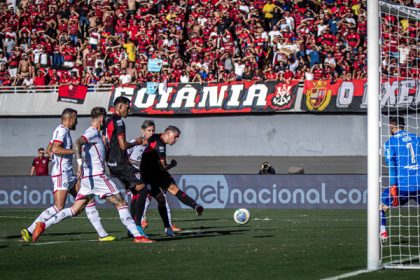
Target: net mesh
[400,97]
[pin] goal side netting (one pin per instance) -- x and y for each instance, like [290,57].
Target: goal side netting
[400,100]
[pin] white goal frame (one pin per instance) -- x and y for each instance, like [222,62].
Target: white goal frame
[374,127]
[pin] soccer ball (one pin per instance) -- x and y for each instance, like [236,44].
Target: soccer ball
[241,216]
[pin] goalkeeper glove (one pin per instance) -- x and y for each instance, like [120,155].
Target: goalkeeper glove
[394,194]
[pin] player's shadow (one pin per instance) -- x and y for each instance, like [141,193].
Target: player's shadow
[60,234]
[264,236]
[197,219]
[201,233]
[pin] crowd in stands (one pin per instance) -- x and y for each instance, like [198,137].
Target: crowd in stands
[50,42]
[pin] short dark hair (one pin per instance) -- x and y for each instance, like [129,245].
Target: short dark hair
[173,129]
[67,113]
[147,123]
[97,112]
[397,121]
[41,149]
[121,99]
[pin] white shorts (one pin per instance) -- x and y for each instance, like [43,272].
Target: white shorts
[99,185]
[64,182]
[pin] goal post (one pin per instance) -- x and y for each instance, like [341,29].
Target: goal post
[393,91]
[373,157]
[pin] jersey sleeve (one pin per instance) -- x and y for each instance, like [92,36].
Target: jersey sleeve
[120,127]
[90,136]
[59,135]
[390,159]
[130,151]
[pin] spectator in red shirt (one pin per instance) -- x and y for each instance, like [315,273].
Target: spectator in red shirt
[40,164]
[39,79]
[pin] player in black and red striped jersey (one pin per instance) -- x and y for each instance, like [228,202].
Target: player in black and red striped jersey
[117,157]
[154,168]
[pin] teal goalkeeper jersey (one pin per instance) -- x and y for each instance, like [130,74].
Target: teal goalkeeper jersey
[402,155]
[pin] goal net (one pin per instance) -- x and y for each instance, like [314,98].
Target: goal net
[400,101]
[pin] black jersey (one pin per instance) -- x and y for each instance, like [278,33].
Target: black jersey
[155,151]
[115,127]
[151,168]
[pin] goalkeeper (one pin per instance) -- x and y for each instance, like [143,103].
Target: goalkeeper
[402,155]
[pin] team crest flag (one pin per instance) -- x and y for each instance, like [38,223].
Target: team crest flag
[72,94]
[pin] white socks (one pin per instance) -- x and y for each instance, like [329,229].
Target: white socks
[95,220]
[44,216]
[63,214]
[128,221]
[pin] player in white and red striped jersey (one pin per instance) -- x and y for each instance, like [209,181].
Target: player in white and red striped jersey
[64,180]
[91,170]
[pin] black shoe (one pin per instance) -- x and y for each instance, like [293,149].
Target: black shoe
[199,210]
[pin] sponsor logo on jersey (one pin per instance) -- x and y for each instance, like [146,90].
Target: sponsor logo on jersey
[318,98]
[119,122]
[161,149]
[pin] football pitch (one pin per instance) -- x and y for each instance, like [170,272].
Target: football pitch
[275,244]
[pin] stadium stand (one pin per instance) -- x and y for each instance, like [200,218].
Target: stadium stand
[49,42]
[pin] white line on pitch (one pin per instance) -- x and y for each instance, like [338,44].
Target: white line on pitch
[59,242]
[346,275]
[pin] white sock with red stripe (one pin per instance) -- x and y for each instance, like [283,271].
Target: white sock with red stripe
[46,215]
[128,221]
[93,216]
[146,206]
[63,214]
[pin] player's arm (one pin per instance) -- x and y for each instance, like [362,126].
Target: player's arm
[166,166]
[124,145]
[57,148]
[33,168]
[77,148]
[390,159]
[49,150]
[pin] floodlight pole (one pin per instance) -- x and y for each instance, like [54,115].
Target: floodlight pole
[373,252]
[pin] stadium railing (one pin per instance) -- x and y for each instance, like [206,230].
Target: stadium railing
[50,89]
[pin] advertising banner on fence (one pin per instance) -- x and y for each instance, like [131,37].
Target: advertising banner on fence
[272,97]
[338,96]
[221,191]
[72,94]
[235,97]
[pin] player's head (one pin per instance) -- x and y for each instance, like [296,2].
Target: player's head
[69,118]
[122,106]
[98,114]
[148,128]
[171,134]
[396,124]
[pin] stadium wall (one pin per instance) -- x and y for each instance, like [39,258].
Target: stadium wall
[234,135]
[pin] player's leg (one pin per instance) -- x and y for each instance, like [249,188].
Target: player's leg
[163,212]
[126,219]
[60,196]
[387,203]
[72,211]
[168,209]
[86,185]
[146,206]
[184,198]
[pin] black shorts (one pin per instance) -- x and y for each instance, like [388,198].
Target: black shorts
[159,180]
[128,174]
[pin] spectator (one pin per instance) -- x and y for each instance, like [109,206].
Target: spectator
[40,164]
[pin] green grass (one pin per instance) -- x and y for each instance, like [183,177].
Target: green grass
[280,244]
